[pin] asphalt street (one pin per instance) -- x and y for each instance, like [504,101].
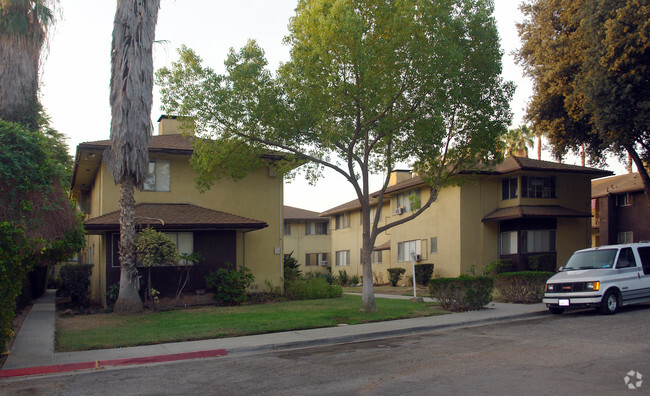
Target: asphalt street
[577,353]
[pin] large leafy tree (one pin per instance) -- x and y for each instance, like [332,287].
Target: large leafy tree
[24,25]
[590,62]
[371,84]
[131,100]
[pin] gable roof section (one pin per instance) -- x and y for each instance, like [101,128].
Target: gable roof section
[296,214]
[620,184]
[175,216]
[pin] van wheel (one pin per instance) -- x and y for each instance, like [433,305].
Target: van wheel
[556,310]
[609,303]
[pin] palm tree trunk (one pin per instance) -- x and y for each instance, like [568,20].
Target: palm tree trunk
[19,60]
[128,299]
[539,148]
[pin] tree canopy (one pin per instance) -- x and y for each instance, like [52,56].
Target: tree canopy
[590,64]
[370,84]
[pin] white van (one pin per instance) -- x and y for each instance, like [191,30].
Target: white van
[606,278]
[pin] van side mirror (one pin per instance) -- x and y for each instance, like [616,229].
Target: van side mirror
[560,269]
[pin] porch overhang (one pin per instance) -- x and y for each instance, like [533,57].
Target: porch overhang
[532,211]
[383,246]
[174,217]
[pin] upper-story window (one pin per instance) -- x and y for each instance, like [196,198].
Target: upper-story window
[408,201]
[538,187]
[287,229]
[157,178]
[342,220]
[509,188]
[316,228]
[624,199]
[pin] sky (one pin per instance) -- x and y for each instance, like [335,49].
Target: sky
[76,72]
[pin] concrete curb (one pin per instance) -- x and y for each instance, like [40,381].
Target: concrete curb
[97,364]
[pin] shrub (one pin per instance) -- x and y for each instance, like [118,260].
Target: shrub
[291,269]
[311,289]
[354,280]
[111,296]
[229,285]
[378,278]
[327,276]
[522,287]
[394,274]
[423,273]
[542,262]
[75,282]
[344,279]
[464,293]
[500,266]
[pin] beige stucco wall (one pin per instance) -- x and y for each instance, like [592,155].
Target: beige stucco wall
[301,244]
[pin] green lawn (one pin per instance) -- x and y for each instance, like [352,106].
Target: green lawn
[111,331]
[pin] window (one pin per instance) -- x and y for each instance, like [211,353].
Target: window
[626,259]
[406,249]
[157,178]
[625,237]
[624,199]
[644,253]
[509,242]
[314,259]
[342,258]
[316,228]
[376,256]
[537,241]
[342,220]
[184,241]
[538,187]
[410,201]
[509,188]
[434,245]
[287,229]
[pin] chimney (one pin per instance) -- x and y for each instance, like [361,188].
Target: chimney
[398,176]
[170,125]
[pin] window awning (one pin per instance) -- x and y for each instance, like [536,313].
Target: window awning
[530,211]
[175,216]
[383,246]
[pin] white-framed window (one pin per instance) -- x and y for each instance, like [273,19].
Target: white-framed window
[408,201]
[537,241]
[625,237]
[184,241]
[158,176]
[509,188]
[538,187]
[342,220]
[376,257]
[509,242]
[624,199]
[407,248]
[316,228]
[342,258]
[316,259]
[287,229]
[434,245]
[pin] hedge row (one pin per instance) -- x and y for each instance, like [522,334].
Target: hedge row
[522,287]
[465,293]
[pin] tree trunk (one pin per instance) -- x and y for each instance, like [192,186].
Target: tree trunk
[643,171]
[368,289]
[19,60]
[128,299]
[539,148]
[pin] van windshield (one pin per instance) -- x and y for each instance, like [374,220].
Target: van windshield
[592,259]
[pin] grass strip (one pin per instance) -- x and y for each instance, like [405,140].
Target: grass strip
[99,331]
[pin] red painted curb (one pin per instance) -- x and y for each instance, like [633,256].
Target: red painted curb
[60,368]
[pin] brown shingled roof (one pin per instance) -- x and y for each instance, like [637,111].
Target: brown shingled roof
[176,216]
[616,185]
[297,214]
[526,211]
[173,142]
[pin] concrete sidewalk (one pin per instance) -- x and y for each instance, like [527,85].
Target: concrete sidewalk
[33,349]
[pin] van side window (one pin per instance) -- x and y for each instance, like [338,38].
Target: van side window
[626,259]
[644,253]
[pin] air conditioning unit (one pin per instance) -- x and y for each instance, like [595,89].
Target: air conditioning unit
[418,257]
[400,210]
[324,263]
